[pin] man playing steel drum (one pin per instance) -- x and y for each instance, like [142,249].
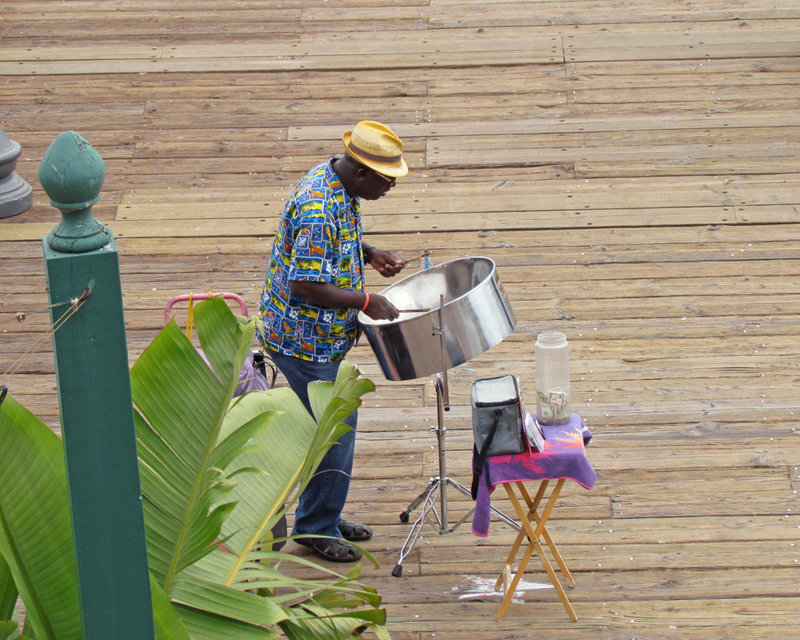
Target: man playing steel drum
[313,292]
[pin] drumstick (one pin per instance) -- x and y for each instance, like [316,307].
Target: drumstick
[425,253]
[413,310]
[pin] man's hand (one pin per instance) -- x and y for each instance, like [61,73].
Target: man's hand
[379,308]
[325,294]
[387,263]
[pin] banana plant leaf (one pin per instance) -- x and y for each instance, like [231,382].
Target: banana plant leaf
[35,524]
[319,624]
[287,453]
[8,629]
[167,623]
[36,534]
[218,472]
[206,626]
[198,451]
[8,591]
[9,626]
[189,466]
[180,404]
[336,607]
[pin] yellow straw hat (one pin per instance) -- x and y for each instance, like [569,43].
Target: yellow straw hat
[376,146]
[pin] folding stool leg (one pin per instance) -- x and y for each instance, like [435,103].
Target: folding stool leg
[532,511]
[533,544]
[532,506]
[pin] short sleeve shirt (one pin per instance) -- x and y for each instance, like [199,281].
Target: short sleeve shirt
[318,240]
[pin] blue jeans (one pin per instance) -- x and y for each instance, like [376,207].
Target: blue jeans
[320,507]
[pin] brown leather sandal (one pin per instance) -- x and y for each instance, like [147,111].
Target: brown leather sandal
[332,549]
[354,531]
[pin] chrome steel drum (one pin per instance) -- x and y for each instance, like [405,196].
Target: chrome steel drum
[476,316]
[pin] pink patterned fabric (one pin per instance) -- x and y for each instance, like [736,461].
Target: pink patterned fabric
[564,456]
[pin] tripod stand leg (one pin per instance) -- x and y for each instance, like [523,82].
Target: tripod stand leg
[404,517]
[462,489]
[427,497]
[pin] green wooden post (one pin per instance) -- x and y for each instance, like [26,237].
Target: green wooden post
[95,398]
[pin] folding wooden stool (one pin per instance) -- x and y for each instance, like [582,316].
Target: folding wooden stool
[534,528]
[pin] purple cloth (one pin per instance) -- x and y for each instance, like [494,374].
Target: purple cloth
[250,378]
[564,456]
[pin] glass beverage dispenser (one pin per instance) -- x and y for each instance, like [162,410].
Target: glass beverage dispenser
[552,378]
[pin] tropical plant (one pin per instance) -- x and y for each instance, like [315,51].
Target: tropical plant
[35,530]
[216,473]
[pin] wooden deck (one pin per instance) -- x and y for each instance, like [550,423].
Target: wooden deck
[632,167]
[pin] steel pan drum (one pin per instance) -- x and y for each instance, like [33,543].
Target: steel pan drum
[476,316]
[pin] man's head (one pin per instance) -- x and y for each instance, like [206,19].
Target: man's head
[373,159]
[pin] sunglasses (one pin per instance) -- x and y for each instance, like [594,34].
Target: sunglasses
[385,177]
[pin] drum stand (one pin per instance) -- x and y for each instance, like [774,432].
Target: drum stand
[438,484]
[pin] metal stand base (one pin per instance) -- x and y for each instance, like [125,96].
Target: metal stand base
[438,485]
[427,499]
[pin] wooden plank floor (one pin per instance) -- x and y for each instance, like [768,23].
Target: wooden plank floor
[632,167]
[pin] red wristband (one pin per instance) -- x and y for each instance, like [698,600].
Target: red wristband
[366,301]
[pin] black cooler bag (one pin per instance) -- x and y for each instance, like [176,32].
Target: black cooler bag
[497,421]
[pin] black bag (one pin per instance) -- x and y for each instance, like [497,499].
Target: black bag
[497,422]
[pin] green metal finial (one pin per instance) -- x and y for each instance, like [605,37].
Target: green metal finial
[72,173]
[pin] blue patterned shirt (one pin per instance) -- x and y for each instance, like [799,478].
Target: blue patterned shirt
[318,240]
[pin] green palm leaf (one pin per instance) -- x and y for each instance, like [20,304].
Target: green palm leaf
[209,596]
[168,625]
[35,523]
[316,622]
[287,453]
[7,629]
[180,406]
[220,470]
[207,626]
[8,591]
